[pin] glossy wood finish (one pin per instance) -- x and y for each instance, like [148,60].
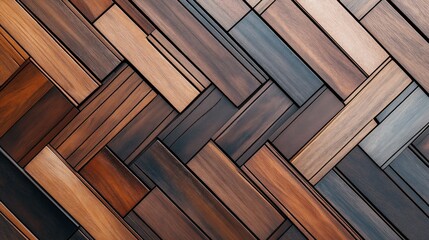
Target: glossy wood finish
[202,49]
[66,73]
[132,43]
[359,7]
[113,181]
[189,194]
[92,10]
[226,12]
[395,34]
[314,47]
[416,12]
[49,170]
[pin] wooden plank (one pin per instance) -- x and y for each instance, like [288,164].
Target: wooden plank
[20,94]
[292,75]
[30,205]
[16,222]
[140,19]
[220,174]
[395,103]
[165,218]
[354,209]
[257,116]
[52,174]
[422,143]
[381,90]
[226,12]
[416,12]
[10,60]
[307,124]
[403,42]
[92,10]
[359,8]
[132,43]
[346,32]
[314,47]
[22,54]
[398,128]
[292,233]
[201,121]
[189,194]
[113,181]
[8,230]
[281,181]
[377,187]
[81,235]
[252,3]
[46,52]
[202,49]
[140,227]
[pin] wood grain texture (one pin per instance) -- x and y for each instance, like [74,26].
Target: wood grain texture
[113,181]
[226,12]
[395,103]
[140,227]
[422,143]
[403,42]
[376,186]
[289,190]
[132,43]
[347,32]
[8,230]
[416,12]
[92,10]
[66,73]
[359,7]
[376,95]
[189,194]
[202,49]
[16,222]
[166,219]
[292,233]
[292,75]
[52,174]
[398,128]
[314,47]
[10,59]
[141,20]
[220,174]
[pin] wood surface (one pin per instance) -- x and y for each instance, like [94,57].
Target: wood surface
[359,8]
[226,12]
[92,10]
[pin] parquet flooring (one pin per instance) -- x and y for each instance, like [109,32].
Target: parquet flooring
[214,119]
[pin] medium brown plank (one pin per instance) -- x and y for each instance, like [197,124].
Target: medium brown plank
[202,49]
[10,59]
[113,181]
[359,7]
[408,47]
[226,12]
[371,100]
[416,11]
[92,9]
[20,94]
[220,174]
[53,174]
[165,218]
[189,194]
[140,227]
[283,183]
[8,230]
[66,73]
[132,43]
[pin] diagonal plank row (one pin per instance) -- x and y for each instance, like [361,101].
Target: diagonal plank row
[214,119]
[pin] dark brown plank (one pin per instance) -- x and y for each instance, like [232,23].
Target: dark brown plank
[8,230]
[140,227]
[377,187]
[114,181]
[77,36]
[296,134]
[190,195]
[202,49]
[201,121]
[10,59]
[292,233]
[416,11]
[292,75]
[81,234]
[136,15]
[314,47]
[92,9]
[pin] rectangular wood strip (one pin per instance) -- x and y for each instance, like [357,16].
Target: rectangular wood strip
[395,103]
[92,10]
[10,60]
[132,43]
[408,47]
[49,170]
[140,226]
[75,82]
[359,8]
[202,49]
[8,230]
[370,101]
[227,13]
[415,11]
[141,20]
[16,222]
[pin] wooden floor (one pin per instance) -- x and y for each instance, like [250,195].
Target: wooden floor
[214,119]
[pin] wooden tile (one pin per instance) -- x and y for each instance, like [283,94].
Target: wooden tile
[376,95]
[314,47]
[16,222]
[292,233]
[416,12]
[189,194]
[248,125]
[136,15]
[398,128]
[8,230]
[52,174]
[202,49]
[226,12]
[295,196]
[292,75]
[140,227]
[10,59]
[359,7]
[80,235]
[296,134]
[92,10]
[132,43]
[166,219]
[252,3]
[66,73]
[408,47]
[395,103]
[220,174]
[384,194]
[30,205]
[113,181]
[347,33]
